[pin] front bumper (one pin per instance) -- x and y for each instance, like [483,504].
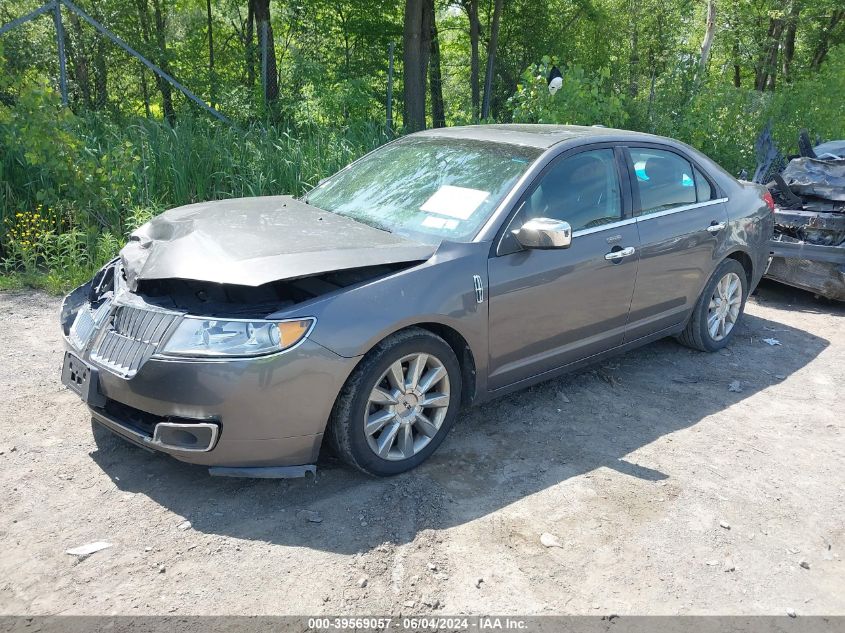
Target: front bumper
[270,411]
[249,412]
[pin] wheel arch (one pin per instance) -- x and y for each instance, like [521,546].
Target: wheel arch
[746,262]
[459,345]
[463,352]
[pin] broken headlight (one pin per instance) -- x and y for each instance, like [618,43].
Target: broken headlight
[198,336]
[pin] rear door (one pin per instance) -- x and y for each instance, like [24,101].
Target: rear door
[549,308]
[682,224]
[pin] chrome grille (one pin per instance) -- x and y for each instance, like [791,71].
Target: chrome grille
[134,335]
[86,322]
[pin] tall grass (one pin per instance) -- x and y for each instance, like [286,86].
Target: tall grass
[71,188]
[197,160]
[193,161]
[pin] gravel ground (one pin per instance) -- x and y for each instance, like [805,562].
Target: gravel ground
[665,481]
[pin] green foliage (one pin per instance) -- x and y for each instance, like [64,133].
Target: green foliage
[88,181]
[72,186]
[56,261]
[582,99]
[816,102]
[718,119]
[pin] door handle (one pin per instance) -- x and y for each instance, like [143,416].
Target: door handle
[625,252]
[716,227]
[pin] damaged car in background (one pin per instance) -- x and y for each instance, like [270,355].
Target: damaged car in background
[808,247]
[443,269]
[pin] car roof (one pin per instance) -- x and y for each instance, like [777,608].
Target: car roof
[537,135]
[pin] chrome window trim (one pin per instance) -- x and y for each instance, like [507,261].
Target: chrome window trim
[686,207]
[603,227]
[647,216]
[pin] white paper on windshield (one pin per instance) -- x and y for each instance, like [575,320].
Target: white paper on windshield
[433,222]
[455,202]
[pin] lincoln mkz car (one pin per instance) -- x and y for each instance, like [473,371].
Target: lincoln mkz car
[444,269]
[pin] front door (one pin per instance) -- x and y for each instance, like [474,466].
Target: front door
[549,308]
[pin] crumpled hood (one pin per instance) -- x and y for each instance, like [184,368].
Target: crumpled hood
[253,241]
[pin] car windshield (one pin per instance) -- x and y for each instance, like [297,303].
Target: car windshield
[428,188]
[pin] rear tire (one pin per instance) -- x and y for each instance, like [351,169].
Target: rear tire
[398,405]
[718,310]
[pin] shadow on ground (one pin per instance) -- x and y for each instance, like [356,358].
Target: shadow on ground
[497,453]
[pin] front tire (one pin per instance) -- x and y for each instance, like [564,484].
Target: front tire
[718,310]
[398,405]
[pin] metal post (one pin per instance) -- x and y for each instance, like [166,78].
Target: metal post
[44,8]
[54,5]
[390,90]
[60,41]
[264,60]
[155,69]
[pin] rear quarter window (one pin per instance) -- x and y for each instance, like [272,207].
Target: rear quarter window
[703,188]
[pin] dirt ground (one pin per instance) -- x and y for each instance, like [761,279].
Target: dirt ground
[665,491]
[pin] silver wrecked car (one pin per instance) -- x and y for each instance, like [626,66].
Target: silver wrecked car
[443,269]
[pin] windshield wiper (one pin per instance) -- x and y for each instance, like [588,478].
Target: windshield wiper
[369,222]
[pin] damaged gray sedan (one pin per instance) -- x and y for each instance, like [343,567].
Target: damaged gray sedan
[441,270]
[808,247]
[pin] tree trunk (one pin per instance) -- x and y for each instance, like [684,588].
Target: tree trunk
[149,47]
[491,58]
[789,40]
[414,61]
[101,74]
[737,69]
[767,65]
[823,45]
[261,10]
[145,91]
[144,23]
[100,67]
[474,64]
[250,45]
[736,58]
[709,34]
[75,47]
[161,42]
[425,38]
[438,110]
[211,79]
[651,95]
[634,58]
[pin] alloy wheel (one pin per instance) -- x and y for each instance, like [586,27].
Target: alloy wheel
[725,303]
[407,406]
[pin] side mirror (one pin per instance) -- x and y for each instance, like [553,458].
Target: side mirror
[544,233]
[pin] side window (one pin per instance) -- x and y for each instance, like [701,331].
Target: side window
[582,189]
[665,180]
[703,189]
